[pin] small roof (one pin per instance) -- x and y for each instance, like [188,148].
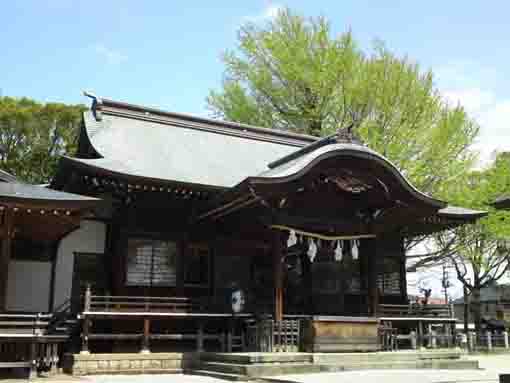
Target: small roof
[19,193]
[502,202]
[458,212]
[6,177]
[24,198]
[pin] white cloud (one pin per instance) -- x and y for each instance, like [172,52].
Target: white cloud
[272,11]
[110,55]
[482,104]
[473,87]
[267,14]
[473,100]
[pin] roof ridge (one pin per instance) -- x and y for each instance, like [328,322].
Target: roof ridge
[102,105]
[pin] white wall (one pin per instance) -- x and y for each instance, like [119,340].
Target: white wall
[28,286]
[89,238]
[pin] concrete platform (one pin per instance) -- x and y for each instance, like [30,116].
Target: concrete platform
[239,366]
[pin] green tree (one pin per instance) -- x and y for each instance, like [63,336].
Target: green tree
[33,135]
[292,74]
[479,252]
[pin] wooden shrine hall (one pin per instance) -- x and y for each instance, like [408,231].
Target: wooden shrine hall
[32,221]
[209,228]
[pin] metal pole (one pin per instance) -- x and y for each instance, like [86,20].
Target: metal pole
[466,310]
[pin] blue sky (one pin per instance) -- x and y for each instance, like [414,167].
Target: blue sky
[166,53]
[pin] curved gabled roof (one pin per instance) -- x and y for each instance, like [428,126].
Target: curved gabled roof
[130,141]
[291,170]
[134,141]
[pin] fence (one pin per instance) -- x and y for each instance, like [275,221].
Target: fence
[25,342]
[487,341]
[267,335]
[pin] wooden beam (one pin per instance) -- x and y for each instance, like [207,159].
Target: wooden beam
[5,255]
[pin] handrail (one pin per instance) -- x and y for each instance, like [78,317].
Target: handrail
[63,307]
[26,316]
[438,310]
[138,298]
[122,302]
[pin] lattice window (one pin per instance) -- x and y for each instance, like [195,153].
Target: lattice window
[151,263]
[389,283]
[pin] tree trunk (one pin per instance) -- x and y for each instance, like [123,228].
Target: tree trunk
[476,307]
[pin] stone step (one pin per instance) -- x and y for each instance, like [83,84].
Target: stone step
[404,365]
[257,357]
[260,369]
[384,357]
[220,375]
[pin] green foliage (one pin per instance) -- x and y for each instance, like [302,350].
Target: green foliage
[292,74]
[480,252]
[34,135]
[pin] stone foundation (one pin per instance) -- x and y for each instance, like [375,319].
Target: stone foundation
[128,363]
[241,366]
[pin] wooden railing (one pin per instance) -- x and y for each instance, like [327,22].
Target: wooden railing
[159,310]
[416,310]
[26,343]
[267,335]
[33,324]
[109,303]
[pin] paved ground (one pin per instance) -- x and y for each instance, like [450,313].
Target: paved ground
[491,367]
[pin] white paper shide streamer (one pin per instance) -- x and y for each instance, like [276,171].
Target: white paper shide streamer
[355,250]
[312,249]
[338,251]
[292,240]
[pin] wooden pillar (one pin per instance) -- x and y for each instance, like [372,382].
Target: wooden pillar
[403,272]
[85,335]
[86,321]
[420,335]
[307,284]
[277,249]
[373,293]
[145,349]
[54,258]
[230,334]
[5,255]
[200,336]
